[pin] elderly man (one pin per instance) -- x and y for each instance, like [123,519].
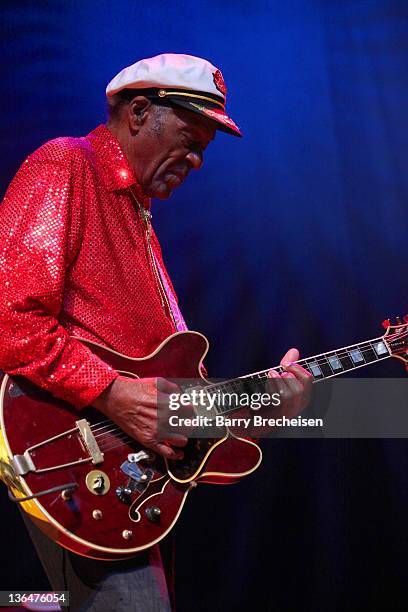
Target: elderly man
[79,257]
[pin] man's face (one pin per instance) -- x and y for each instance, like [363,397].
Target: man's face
[173,143]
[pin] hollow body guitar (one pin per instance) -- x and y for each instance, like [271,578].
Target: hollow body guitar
[119,498]
[99,493]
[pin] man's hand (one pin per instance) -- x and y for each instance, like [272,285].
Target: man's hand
[134,404]
[294,385]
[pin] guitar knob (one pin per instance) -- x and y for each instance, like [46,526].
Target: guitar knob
[405,318]
[124,494]
[98,484]
[153,513]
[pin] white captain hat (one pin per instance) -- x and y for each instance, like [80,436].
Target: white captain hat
[180,80]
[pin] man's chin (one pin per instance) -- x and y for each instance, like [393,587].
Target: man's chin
[163,196]
[162,192]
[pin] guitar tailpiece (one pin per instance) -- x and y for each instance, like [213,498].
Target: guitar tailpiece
[71,486]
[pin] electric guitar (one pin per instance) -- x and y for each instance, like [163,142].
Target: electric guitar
[100,494]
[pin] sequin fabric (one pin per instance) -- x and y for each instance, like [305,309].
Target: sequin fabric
[74,261]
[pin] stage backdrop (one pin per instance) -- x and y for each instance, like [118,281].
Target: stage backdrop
[295,235]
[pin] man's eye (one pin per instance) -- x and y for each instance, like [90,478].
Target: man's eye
[192,144]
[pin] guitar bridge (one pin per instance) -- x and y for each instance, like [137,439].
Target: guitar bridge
[89,441]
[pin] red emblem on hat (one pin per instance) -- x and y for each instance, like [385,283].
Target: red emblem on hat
[221,117]
[219,82]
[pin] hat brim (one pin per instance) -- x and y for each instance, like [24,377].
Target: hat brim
[217,115]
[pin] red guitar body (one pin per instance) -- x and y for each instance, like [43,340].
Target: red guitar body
[47,443]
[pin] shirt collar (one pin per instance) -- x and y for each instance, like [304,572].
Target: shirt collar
[114,167]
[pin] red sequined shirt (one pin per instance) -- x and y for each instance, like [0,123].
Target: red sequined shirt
[74,261]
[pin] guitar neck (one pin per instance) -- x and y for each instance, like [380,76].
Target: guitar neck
[340,361]
[321,367]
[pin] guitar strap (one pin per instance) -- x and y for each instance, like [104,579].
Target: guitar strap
[177,316]
[175,310]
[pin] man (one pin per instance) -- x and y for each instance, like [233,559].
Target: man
[79,257]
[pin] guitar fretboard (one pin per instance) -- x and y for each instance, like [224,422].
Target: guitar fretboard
[321,367]
[349,358]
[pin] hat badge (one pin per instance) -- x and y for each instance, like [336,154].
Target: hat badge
[219,82]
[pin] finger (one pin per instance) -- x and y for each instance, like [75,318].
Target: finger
[276,383]
[290,356]
[176,440]
[299,372]
[147,413]
[166,451]
[293,384]
[292,396]
[273,381]
[150,420]
[301,387]
[151,399]
[305,379]
[187,411]
[167,386]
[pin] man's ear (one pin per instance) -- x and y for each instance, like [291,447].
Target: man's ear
[138,111]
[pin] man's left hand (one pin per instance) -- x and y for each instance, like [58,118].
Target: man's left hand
[294,385]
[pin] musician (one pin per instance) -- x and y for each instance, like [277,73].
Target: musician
[79,257]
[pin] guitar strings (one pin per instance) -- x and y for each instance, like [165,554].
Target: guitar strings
[118,442]
[99,429]
[117,445]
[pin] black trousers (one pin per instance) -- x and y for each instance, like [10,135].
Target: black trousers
[140,584]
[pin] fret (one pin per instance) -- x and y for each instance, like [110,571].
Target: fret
[231,392]
[318,367]
[226,390]
[345,359]
[325,366]
[370,355]
[252,384]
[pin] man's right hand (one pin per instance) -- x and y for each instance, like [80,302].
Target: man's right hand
[133,404]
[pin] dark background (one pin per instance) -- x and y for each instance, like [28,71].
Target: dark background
[295,235]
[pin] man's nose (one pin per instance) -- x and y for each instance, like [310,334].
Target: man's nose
[195,158]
